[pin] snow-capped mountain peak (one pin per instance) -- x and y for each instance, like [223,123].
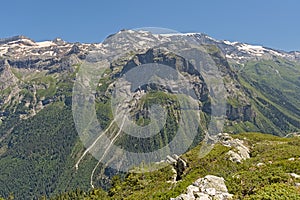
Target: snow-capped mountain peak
[21,46]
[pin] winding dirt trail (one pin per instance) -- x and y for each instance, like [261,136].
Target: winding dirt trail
[92,145]
[105,152]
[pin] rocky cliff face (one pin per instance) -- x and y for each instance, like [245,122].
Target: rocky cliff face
[24,61]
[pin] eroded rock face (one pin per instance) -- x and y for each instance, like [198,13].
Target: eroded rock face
[209,187]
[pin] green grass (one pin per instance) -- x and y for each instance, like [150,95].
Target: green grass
[17,73]
[246,180]
[50,84]
[273,86]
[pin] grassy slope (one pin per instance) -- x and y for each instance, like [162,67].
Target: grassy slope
[246,180]
[273,86]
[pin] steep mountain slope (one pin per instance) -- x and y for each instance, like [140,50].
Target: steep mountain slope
[38,135]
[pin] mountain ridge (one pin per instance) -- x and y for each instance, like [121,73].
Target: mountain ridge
[194,34]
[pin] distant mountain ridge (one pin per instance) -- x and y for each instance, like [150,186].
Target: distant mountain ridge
[229,48]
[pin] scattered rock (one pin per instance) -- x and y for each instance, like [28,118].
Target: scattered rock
[260,164]
[293,175]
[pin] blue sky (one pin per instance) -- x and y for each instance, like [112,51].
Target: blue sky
[273,24]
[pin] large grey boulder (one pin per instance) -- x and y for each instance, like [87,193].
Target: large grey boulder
[207,188]
[210,181]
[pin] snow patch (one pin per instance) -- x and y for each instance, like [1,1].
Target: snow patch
[230,43]
[252,49]
[45,44]
[22,42]
[176,34]
[229,56]
[249,47]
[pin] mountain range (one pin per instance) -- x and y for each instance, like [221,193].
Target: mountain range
[39,141]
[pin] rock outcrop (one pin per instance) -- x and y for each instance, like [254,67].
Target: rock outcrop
[240,151]
[179,165]
[207,188]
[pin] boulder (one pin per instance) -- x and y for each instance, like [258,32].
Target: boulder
[260,164]
[207,188]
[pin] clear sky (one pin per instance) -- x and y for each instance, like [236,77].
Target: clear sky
[272,23]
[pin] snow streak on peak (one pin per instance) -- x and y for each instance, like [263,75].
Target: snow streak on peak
[244,51]
[252,49]
[230,43]
[21,46]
